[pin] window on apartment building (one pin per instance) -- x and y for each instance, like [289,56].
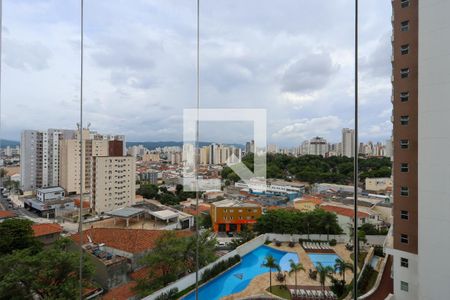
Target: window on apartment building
[404,167]
[404,262]
[404,144]
[404,49]
[404,26]
[404,286]
[404,120]
[404,191]
[404,96]
[404,238]
[404,3]
[404,72]
[404,215]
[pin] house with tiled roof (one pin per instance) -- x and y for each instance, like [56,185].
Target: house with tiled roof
[307,203]
[118,251]
[47,233]
[345,216]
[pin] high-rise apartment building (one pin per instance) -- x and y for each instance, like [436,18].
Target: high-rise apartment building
[94,145]
[39,157]
[113,182]
[348,142]
[318,146]
[421,89]
[218,154]
[52,157]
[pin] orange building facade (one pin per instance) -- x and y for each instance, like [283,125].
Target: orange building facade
[233,216]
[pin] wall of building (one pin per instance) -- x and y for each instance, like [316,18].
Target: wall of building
[113,182]
[434,142]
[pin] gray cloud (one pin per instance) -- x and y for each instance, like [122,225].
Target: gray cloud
[378,62]
[31,56]
[309,73]
[130,62]
[295,61]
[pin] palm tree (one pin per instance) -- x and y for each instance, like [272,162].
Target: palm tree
[270,263]
[323,272]
[295,267]
[341,265]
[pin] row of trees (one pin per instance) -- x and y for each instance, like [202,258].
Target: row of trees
[28,270]
[174,256]
[323,272]
[297,222]
[151,191]
[316,169]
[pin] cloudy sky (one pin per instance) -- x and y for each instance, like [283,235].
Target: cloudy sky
[291,57]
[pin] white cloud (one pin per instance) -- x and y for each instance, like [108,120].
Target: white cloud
[307,128]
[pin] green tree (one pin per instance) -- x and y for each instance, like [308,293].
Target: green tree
[17,234]
[292,222]
[166,261]
[3,173]
[324,272]
[244,236]
[206,249]
[361,237]
[174,256]
[295,268]
[52,273]
[169,199]
[148,191]
[205,221]
[341,265]
[271,263]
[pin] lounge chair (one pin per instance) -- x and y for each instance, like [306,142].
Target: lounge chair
[293,292]
[320,294]
[332,295]
[302,292]
[309,293]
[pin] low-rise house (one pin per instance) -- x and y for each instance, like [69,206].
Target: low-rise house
[307,203]
[378,185]
[47,233]
[345,216]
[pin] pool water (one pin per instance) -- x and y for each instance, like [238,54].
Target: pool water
[238,278]
[374,261]
[325,258]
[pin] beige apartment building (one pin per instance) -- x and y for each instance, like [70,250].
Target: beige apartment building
[70,162]
[113,182]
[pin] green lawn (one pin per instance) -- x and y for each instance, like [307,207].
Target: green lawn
[280,291]
[362,257]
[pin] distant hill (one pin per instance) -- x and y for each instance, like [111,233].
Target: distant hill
[154,145]
[6,143]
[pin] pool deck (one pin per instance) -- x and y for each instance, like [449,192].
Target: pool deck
[260,283]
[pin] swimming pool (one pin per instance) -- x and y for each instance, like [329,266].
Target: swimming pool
[326,259]
[238,278]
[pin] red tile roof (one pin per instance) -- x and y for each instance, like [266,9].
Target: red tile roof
[193,211]
[314,200]
[85,203]
[129,240]
[348,212]
[46,229]
[6,214]
[122,292]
